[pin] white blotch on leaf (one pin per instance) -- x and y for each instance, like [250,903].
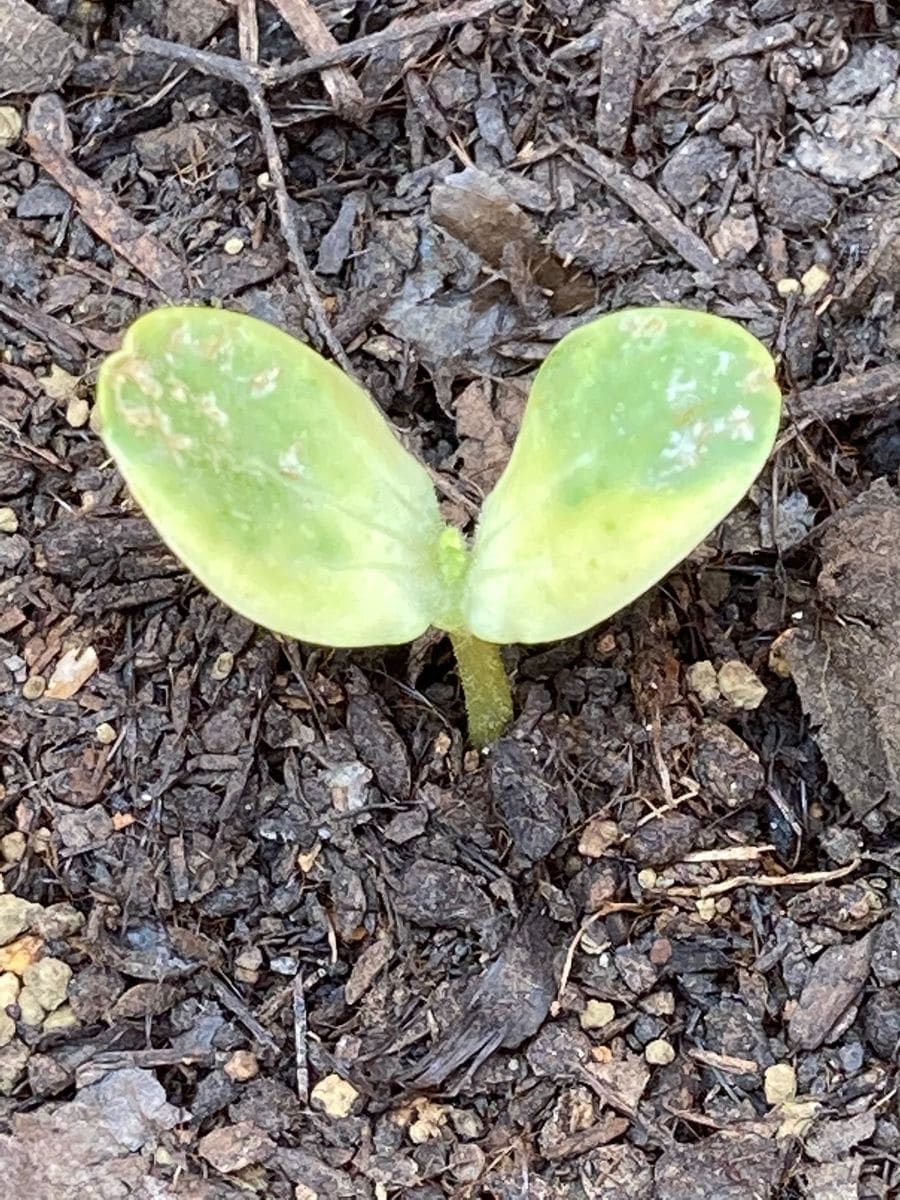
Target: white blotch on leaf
[264,383]
[681,392]
[741,424]
[141,374]
[181,338]
[723,362]
[758,379]
[208,406]
[289,462]
[685,447]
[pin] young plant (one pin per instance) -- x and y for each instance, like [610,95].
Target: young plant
[280,485]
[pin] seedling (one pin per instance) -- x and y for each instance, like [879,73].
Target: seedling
[278,482]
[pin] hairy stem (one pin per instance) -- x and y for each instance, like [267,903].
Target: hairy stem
[486,688]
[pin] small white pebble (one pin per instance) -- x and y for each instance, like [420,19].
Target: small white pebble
[13,846]
[741,686]
[9,522]
[234,245]
[597,1014]
[10,126]
[77,412]
[780,1083]
[223,665]
[105,734]
[242,1065]
[334,1096]
[659,1053]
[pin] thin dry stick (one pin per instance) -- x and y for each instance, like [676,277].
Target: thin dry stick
[316,38]
[300,1035]
[799,879]
[222,67]
[289,229]
[248,31]
[396,32]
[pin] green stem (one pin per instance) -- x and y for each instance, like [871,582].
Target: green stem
[486,688]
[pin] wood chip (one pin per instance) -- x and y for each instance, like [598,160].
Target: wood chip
[755,41]
[35,54]
[870,391]
[834,983]
[51,144]
[619,70]
[71,673]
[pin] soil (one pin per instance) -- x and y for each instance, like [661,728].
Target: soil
[267,925]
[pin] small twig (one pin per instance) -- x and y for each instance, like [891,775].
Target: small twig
[235,1005]
[613,906]
[398,31]
[647,204]
[50,142]
[219,66]
[248,31]
[869,391]
[300,1034]
[728,854]
[289,230]
[222,67]
[246,75]
[316,38]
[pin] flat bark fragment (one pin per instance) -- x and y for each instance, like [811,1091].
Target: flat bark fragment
[35,54]
[834,983]
[848,671]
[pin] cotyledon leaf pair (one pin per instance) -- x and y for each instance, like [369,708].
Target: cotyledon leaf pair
[280,485]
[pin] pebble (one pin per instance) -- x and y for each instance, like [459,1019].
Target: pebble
[740,686]
[242,1065]
[706,908]
[234,245]
[77,412]
[15,917]
[62,1018]
[31,1011]
[334,1096]
[659,1053]
[13,846]
[702,681]
[9,522]
[13,1061]
[48,980]
[223,666]
[58,383]
[15,956]
[34,687]
[597,837]
[72,672]
[597,1014]
[10,126]
[814,280]
[9,994]
[105,734]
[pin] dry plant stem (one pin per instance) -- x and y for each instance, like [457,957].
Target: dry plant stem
[489,706]
[316,38]
[289,230]
[222,67]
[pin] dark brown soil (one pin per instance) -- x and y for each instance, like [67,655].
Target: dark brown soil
[267,925]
